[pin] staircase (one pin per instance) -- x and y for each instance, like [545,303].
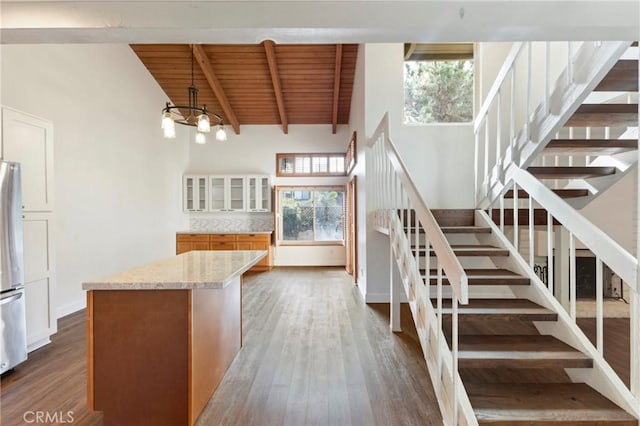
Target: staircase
[513,373]
[594,148]
[501,346]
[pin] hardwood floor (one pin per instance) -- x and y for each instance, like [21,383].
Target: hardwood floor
[313,353]
[53,380]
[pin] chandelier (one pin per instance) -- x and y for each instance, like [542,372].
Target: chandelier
[191,115]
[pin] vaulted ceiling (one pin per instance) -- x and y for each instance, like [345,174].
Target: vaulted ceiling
[263,83]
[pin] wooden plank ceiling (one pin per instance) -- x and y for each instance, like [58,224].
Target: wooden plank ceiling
[263,83]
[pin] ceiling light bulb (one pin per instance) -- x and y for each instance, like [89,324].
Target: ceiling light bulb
[168,125]
[169,132]
[221,135]
[203,123]
[200,139]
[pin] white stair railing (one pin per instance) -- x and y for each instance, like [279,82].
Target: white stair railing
[532,97]
[561,231]
[565,228]
[416,241]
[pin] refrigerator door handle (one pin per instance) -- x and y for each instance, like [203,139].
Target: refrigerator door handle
[11,298]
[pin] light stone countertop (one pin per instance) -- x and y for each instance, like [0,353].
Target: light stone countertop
[187,271]
[224,232]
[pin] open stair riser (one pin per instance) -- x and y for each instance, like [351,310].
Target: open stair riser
[607,68]
[536,352]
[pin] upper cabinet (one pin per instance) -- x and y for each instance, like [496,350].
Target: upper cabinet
[258,194]
[195,193]
[28,140]
[226,193]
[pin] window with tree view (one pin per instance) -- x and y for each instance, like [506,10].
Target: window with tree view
[438,83]
[311,215]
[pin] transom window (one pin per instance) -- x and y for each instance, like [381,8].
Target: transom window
[318,164]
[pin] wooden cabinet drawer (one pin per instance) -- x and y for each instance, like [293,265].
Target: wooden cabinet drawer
[255,238]
[217,238]
[193,238]
[222,245]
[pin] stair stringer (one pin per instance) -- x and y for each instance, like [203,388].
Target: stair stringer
[427,325]
[601,377]
[591,64]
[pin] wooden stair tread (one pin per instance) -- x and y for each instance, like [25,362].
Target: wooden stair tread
[485,277]
[562,193]
[471,250]
[542,403]
[603,115]
[490,272]
[466,229]
[444,217]
[458,230]
[539,217]
[516,351]
[500,309]
[570,172]
[623,77]
[591,146]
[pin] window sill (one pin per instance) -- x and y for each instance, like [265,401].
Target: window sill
[310,243]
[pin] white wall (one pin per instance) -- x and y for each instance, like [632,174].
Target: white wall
[117,181]
[613,211]
[254,150]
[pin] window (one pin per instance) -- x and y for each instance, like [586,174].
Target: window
[311,215]
[438,83]
[318,164]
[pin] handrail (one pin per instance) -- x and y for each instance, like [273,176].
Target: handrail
[497,84]
[415,238]
[450,263]
[613,254]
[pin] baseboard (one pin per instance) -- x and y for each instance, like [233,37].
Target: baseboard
[38,344]
[70,308]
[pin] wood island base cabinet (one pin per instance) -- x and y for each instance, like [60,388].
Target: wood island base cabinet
[155,357]
[189,242]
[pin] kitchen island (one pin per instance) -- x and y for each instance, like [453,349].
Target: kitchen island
[160,337]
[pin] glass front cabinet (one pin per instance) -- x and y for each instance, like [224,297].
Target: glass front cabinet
[228,193]
[258,194]
[195,193]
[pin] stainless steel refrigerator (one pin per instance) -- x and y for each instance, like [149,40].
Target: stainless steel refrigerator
[13,335]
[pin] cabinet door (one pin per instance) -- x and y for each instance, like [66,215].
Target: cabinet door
[28,140]
[258,194]
[39,279]
[217,193]
[195,193]
[243,245]
[236,193]
[253,188]
[265,194]
[183,247]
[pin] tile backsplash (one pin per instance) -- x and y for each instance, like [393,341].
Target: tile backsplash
[232,222]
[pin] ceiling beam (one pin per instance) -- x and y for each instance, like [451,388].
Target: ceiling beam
[336,88]
[270,51]
[214,83]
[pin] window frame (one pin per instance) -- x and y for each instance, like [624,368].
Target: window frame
[439,52]
[280,241]
[311,156]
